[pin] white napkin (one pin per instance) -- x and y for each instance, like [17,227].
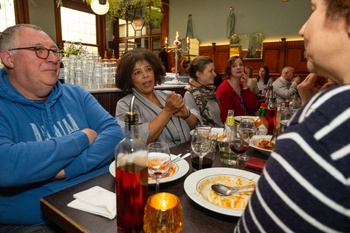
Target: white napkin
[95,200]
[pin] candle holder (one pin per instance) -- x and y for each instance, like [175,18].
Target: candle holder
[176,50]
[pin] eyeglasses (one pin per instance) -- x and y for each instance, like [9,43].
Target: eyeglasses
[42,52]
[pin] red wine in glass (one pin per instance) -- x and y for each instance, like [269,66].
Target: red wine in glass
[240,147]
[207,163]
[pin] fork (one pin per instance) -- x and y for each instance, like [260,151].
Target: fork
[180,156]
[277,133]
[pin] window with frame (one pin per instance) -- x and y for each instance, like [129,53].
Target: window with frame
[79,28]
[7,14]
[77,24]
[133,32]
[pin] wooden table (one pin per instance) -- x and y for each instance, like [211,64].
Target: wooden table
[196,218]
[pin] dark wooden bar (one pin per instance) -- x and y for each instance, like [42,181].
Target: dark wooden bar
[108,97]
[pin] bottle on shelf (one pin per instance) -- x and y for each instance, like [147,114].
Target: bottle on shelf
[105,57]
[271,110]
[261,124]
[62,76]
[131,176]
[113,59]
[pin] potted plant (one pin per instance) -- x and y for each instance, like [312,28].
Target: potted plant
[152,12]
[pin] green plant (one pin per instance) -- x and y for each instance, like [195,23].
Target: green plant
[72,48]
[119,8]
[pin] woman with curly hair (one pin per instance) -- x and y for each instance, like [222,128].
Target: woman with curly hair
[163,115]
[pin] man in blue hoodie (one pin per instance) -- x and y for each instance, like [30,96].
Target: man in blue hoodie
[52,136]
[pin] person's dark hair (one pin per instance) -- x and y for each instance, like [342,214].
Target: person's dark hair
[267,75]
[198,64]
[229,63]
[338,8]
[249,71]
[127,64]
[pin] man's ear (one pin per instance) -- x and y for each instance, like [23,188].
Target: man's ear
[6,58]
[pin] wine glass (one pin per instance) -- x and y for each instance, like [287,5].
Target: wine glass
[201,143]
[240,142]
[159,161]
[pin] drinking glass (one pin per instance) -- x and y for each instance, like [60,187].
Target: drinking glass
[201,143]
[163,213]
[239,143]
[159,161]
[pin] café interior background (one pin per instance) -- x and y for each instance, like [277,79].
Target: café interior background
[275,19]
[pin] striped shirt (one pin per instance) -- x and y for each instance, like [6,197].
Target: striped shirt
[305,186]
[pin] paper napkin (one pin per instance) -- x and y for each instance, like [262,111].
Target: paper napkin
[95,200]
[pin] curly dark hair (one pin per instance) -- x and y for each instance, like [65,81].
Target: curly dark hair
[229,63]
[198,64]
[127,64]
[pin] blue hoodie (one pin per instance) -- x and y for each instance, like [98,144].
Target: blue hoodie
[38,139]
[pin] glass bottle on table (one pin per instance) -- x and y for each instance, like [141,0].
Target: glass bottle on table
[271,110]
[262,124]
[230,123]
[286,114]
[131,176]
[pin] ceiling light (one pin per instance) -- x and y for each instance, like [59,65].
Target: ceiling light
[100,7]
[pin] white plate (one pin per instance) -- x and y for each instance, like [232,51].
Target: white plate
[182,168]
[193,181]
[239,118]
[256,139]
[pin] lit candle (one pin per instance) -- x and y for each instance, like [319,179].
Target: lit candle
[177,35]
[188,40]
[166,40]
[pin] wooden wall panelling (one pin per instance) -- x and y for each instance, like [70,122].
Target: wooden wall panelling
[222,54]
[219,54]
[295,57]
[276,55]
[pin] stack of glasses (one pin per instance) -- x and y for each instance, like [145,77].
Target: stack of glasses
[89,71]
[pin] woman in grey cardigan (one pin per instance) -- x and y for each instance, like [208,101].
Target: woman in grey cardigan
[163,115]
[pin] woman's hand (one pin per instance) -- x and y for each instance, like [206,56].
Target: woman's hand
[313,84]
[184,113]
[174,103]
[244,81]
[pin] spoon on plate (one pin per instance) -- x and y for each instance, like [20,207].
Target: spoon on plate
[224,190]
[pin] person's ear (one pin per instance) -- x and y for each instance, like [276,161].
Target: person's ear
[6,58]
[198,74]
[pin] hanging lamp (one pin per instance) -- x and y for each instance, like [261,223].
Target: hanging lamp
[100,7]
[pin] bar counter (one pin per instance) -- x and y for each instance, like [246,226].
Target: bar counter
[108,97]
[196,217]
